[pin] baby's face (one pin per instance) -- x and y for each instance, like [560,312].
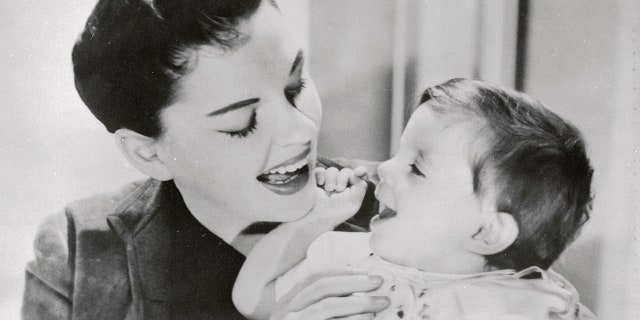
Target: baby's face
[428,209]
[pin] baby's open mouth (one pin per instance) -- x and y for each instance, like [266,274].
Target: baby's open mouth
[383,214]
[386,212]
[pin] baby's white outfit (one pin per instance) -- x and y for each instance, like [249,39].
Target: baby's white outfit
[532,293]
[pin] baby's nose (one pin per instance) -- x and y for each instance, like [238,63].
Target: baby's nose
[385,170]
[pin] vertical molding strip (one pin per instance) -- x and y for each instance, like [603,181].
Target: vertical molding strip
[496,42]
[522,46]
[620,192]
[399,74]
[491,32]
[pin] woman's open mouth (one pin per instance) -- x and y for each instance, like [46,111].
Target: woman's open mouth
[289,177]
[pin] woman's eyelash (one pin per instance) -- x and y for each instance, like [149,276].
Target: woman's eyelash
[291,92]
[253,123]
[415,170]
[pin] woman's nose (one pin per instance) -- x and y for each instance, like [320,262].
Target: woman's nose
[295,128]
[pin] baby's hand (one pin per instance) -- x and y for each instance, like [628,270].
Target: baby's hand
[342,194]
[334,180]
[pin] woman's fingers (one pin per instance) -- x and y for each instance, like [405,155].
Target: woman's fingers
[329,295]
[330,271]
[334,286]
[361,316]
[341,307]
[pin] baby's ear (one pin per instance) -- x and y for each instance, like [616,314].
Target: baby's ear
[497,232]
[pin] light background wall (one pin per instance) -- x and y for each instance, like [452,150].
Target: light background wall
[54,151]
[582,61]
[351,61]
[571,66]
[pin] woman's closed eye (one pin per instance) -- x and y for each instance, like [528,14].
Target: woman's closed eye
[248,129]
[291,92]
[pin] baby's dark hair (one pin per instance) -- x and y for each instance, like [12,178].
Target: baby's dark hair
[534,162]
[132,53]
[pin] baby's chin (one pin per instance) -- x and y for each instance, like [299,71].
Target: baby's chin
[379,249]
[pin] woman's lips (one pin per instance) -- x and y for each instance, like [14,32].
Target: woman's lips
[286,183]
[288,177]
[288,165]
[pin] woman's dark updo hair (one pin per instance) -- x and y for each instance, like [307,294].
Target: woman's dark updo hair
[132,52]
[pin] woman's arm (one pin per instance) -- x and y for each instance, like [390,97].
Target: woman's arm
[286,246]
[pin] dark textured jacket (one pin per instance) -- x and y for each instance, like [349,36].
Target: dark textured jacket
[137,253]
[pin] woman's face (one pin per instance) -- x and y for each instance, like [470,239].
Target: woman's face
[241,138]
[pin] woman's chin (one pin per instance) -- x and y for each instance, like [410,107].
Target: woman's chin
[305,202]
[294,206]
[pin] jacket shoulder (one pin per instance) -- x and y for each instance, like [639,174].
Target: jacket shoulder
[53,243]
[91,212]
[70,244]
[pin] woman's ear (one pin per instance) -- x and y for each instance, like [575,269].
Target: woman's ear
[497,232]
[142,153]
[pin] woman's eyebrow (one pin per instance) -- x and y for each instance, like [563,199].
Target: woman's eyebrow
[233,106]
[297,62]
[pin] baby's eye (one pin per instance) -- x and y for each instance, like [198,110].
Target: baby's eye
[416,171]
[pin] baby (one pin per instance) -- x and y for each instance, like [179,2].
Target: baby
[487,189]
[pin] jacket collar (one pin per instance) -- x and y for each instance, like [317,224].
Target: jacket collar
[143,223]
[171,256]
[172,259]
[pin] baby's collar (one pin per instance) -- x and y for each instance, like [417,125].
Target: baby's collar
[378,263]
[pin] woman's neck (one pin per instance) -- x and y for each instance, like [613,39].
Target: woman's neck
[223,223]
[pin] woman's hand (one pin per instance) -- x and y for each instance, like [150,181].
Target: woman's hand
[330,295]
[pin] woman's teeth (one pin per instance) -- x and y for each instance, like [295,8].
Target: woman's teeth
[285,174]
[289,168]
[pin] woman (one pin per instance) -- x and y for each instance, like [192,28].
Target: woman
[210,99]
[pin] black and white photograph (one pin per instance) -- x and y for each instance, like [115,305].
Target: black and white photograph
[327,159]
